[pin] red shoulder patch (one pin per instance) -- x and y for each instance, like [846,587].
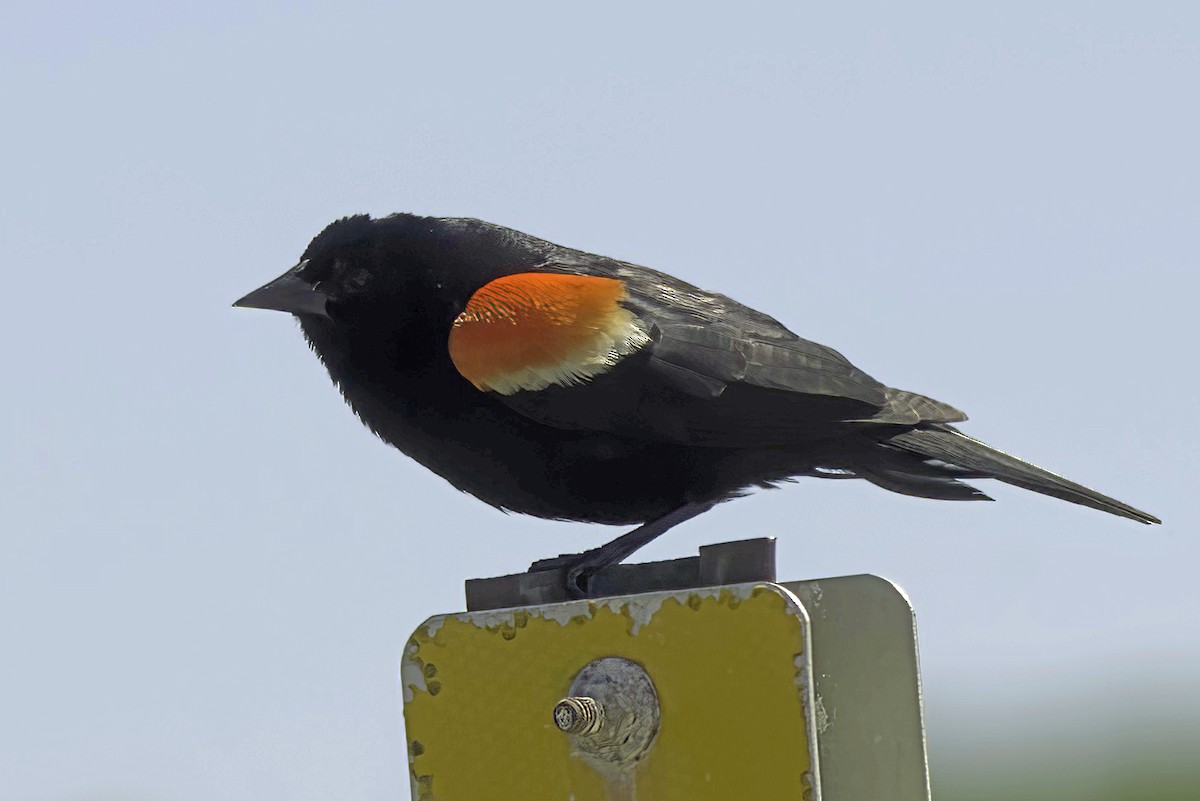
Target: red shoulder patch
[531,330]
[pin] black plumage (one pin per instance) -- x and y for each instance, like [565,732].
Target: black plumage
[701,399]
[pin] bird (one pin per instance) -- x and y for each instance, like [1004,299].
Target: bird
[566,385]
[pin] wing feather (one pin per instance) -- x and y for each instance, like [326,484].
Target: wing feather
[716,373]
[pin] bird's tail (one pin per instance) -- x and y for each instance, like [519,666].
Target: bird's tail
[948,447]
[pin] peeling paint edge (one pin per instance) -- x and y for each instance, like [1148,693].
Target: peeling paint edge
[805,687]
[640,608]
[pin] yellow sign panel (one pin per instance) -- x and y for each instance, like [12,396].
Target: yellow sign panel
[730,666]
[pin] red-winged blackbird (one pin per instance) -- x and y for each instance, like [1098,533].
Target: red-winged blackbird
[566,385]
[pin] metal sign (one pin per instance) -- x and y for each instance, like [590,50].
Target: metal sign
[756,690]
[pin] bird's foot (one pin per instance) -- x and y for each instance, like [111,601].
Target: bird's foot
[580,567]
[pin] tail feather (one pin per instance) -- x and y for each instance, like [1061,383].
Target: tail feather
[947,444]
[942,489]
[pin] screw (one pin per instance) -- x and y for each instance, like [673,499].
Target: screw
[579,715]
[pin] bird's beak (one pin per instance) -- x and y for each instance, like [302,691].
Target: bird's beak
[288,293]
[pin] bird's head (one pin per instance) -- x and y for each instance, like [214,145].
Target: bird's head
[364,272]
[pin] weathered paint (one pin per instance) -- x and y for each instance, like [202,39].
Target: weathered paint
[730,666]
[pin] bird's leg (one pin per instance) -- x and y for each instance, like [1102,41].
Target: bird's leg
[580,567]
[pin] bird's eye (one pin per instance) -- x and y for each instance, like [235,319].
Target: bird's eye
[341,278]
[355,279]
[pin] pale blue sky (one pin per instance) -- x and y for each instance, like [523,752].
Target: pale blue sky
[209,567]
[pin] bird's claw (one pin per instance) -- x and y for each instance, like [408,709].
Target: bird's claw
[579,566]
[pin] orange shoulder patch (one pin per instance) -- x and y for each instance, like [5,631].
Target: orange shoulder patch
[532,330]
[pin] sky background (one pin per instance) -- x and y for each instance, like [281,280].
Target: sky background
[208,567]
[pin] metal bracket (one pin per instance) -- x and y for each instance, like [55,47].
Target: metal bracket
[724,563]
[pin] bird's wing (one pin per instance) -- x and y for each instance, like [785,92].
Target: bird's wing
[586,343]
